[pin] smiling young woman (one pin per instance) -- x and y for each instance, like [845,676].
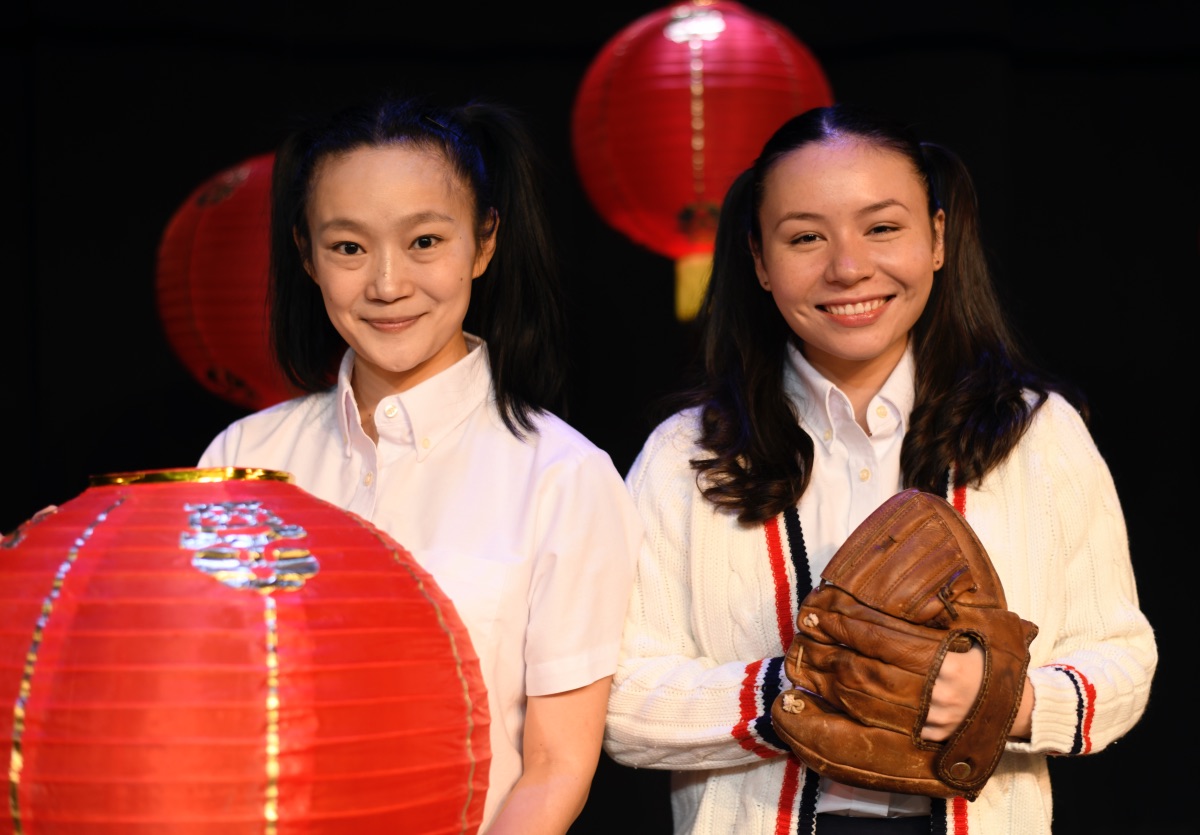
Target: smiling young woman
[852,346]
[414,295]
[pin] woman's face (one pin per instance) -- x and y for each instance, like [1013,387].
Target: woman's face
[394,250]
[848,253]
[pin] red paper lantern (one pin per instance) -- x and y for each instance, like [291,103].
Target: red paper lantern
[211,283]
[218,651]
[672,109]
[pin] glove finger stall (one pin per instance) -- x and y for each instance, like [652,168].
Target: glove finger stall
[876,694]
[873,634]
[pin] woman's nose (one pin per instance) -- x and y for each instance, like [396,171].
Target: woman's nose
[389,281]
[850,262]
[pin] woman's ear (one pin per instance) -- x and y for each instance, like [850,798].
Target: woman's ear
[939,239]
[761,271]
[486,247]
[302,246]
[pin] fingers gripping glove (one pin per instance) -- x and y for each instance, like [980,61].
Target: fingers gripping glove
[910,584]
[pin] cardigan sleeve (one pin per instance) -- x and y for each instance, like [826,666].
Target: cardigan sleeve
[673,705]
[1095,655]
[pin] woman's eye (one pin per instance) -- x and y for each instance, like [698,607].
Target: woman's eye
[347,248]
[806,238]
[882,229]
[425,242]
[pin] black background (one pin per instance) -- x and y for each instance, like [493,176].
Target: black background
[1076,119]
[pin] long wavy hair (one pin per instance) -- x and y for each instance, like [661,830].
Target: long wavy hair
[516,305]
[972,376]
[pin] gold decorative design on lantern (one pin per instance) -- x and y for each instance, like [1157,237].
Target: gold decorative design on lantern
[231,540]
[16,762]
[198,475]
[271,807]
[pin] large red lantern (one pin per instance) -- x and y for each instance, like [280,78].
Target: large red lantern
[211,285]
[218,651]
[672,109]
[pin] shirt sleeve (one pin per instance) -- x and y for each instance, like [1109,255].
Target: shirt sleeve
[589,534]
[673,705]
[1095,654]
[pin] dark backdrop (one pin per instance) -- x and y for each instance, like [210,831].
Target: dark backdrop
[1076,119]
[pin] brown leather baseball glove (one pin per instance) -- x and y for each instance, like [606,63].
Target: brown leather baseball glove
[910,584]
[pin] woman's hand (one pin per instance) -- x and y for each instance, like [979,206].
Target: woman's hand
[558,766]
[955,691]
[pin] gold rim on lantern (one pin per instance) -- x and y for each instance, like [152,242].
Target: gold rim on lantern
[197,475]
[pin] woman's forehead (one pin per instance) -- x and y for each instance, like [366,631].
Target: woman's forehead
[838,169]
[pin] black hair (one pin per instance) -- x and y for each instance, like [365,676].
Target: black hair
[972,376]
[516,304]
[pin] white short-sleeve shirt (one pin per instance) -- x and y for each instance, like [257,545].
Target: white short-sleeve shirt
[534,540]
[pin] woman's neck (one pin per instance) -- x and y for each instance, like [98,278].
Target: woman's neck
[373,382]
[859,380]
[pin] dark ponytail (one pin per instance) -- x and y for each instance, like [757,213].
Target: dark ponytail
[517,304]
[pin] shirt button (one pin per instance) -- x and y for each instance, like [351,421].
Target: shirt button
[829,434]
[390,410]
[864,474]
[368,478]
[424,443]
[879,410]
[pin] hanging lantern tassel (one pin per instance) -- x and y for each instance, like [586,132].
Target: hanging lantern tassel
[698,225]
[691,283]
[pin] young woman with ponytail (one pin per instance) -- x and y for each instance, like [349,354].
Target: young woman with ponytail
[415,297]
[853,345]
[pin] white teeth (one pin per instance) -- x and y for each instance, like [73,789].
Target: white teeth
[858,307]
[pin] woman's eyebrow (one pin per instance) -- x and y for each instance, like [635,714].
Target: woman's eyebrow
[354,225]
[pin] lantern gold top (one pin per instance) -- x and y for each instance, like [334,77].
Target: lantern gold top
[195,475]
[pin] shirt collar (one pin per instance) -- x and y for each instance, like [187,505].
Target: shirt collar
[434,408]
[816,399]
[348,422]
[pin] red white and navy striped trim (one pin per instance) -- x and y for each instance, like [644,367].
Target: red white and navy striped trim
[763,682]
[948,817]
[807,816]
[798,553]
[952,820]
[785,823]
[755,731]
[1085,708]
[789,569]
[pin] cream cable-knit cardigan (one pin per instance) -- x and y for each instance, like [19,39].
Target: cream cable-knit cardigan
[706,629]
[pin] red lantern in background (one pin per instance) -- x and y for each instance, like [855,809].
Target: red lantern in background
[218,651]
[670,112]
[211,284]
